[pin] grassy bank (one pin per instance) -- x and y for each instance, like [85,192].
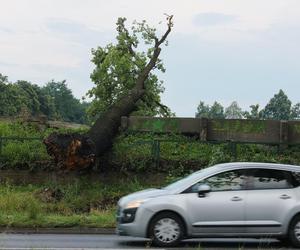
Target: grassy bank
[79,204]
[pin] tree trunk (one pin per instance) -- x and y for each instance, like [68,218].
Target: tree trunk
[74,151]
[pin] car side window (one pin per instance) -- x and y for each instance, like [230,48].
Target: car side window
[225,181]
[270,179]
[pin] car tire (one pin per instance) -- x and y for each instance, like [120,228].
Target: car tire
[166,229]
[294,231]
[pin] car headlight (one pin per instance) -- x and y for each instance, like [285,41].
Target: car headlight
[128,215]
[135,204]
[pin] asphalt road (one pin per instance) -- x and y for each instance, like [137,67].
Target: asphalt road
[80,241]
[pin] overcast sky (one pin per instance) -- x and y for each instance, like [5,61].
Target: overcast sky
[224,50]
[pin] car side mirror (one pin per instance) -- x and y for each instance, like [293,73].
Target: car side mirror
[203,189]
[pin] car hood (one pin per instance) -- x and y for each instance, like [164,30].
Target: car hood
[144,194]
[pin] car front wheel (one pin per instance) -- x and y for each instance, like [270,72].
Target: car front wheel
[166,229]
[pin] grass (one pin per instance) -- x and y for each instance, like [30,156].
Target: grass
[79,204]
[104,218]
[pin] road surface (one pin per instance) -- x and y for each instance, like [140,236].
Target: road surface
[81,241]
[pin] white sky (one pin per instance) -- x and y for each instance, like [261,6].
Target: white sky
[224,50]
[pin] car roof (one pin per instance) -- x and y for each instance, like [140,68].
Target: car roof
[234,165]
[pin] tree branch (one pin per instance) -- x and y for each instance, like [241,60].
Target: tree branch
[128,38]
[170,25]
[164,108]
[151,64]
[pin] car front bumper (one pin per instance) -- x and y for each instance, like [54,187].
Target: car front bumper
[137,228]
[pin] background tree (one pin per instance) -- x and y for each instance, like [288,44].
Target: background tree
[202,110]
[3,78]
[55,101]
[278,108]
[295,112]
[30,95]
[216,111]
[117,67]
[233,111]
[254,113]
[47,105]
[67,107]
[12,100]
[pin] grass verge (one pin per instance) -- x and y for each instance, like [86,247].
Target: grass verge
[78,204]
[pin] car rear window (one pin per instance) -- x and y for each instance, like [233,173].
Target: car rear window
[270,179]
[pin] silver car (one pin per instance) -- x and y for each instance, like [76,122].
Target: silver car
[226,200]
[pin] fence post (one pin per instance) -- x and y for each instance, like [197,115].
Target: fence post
[1,146]
[203,129]
[233,149]
[124,123]
[284,135]
[156,152]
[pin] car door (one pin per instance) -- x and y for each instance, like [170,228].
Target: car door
[269,199]
[220,211]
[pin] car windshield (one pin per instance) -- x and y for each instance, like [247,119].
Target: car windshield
[191,178]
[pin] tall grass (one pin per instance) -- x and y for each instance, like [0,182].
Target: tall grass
[82,203]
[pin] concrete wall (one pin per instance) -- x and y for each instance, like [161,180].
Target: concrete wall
[260,131]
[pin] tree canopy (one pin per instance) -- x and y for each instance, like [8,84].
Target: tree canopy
[117,67]
[278,108]
[68,108]
[206,111]
[233,111]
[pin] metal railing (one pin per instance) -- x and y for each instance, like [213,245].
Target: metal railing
[232,146]
[155,145]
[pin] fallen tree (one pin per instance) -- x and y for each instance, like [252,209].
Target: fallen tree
[74,151]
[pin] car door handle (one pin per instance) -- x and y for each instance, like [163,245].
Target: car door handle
[236,198]
[285,197]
